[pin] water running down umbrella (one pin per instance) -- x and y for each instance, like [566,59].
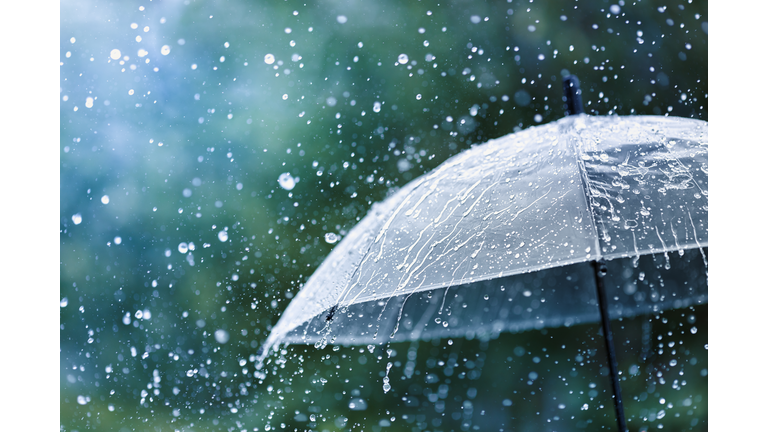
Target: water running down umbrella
[509,218]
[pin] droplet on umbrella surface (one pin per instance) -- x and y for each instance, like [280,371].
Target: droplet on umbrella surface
[222,336]
[165,50]
[269,59]
[115,54]
[223,236]
[105,199]
[331,238]
[358,404]
[77,218]
[286,181]
[183,247]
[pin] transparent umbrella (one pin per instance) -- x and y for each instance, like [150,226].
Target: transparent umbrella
[517,233]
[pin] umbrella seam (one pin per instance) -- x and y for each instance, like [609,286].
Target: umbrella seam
[585,184]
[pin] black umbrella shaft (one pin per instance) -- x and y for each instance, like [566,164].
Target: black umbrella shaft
[572,95]
[600,271]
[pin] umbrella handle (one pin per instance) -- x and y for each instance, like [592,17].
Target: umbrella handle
[572,95]
[601,270]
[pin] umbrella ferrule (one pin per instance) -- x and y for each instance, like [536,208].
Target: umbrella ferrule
[572,95]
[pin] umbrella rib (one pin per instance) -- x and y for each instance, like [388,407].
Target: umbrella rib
[600,271]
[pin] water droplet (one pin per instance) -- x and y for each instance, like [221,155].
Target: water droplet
[183,247]
[402,58]
[115,54]
[82,400]
[64,302]
[118,240]
[105,199]
[331,238]
[269,59]
[223,236]
[341,19]
[222,336]
[357,404]
[286,181]
[77,218]
[376,106]
[165,50]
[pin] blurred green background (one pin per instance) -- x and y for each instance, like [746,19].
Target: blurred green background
[180,248]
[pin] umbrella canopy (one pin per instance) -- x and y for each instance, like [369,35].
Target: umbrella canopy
[499,237]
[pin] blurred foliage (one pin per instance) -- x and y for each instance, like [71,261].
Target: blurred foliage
[169,288]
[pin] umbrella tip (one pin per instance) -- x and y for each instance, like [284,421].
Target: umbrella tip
[572,95]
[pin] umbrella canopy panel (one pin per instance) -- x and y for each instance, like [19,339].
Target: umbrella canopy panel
[572,191]
[560,296]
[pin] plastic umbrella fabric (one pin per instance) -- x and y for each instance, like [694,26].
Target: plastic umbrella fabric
[520,230]
[469,248]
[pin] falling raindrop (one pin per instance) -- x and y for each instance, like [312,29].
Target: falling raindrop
[331,238]
[222,336]
[105,199]
[269,59]
[402,58]
[165,50]
[358,404]
[286,181]
[77,218]
[376,106]
[223,236]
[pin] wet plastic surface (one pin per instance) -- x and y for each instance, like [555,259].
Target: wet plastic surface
[573,191]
